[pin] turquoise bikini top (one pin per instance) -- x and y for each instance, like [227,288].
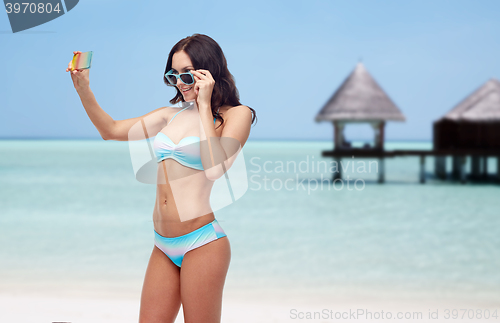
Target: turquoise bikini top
[186,152]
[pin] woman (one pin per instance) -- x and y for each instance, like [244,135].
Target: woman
[191,255]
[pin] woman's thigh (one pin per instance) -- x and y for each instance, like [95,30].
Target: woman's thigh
[203,274]
[160,298]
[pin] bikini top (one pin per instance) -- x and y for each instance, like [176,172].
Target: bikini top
[186,152]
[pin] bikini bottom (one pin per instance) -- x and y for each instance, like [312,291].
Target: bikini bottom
[175,248]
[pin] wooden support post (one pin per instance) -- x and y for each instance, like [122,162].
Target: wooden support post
[485,167]
[456,167]
[381,170]
[381,135]
[498,168]
[463,174]
[338,132]
[337,175]
[376,133]
[475,166]
[422,168]
[440,167]
[336,135]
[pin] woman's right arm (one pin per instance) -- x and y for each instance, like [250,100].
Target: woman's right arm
[120,130]
[108,128]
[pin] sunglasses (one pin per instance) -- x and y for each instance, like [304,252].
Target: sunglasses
[186,78]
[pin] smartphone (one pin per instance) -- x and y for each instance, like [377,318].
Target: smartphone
[82,61]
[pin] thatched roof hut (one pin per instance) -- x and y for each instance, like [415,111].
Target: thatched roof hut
[359,99]
[482,105]
[474,123]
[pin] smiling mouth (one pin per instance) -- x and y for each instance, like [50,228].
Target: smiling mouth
[186,90]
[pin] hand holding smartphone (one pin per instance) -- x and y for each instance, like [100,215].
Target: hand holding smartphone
[81,61]
[79,68]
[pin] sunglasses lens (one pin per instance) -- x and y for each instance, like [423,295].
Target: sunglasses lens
[187,79]
[172,79]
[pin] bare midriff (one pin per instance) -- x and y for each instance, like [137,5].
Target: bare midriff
[196,192]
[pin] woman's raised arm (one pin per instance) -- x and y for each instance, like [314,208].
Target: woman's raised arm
[108,128]
[120,130]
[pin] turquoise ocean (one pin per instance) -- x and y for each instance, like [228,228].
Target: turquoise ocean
[74,218]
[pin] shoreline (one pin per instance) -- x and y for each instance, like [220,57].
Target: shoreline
[131,289]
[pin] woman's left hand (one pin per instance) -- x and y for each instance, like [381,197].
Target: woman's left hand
[203,87]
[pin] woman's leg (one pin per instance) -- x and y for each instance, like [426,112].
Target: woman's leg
[160,298]
[203,273]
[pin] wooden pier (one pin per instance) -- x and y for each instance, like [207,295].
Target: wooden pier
[470,130]
[479,157]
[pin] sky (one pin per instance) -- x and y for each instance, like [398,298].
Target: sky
[288,58]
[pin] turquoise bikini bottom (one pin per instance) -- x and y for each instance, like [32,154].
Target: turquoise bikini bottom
[175,248]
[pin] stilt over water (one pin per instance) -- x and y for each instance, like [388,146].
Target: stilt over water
[498,168]
[440,166]
[476,166]
[381,170]
[422,168]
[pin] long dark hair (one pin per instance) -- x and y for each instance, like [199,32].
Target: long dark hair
[206,54]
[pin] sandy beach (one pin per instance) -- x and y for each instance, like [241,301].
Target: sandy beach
[242,307]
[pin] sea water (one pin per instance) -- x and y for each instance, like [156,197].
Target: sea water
[73,216]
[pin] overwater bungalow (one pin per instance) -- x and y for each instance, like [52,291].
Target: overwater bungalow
[472,127]
[359,99]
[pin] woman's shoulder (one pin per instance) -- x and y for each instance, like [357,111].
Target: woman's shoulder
[232,109]
[239,110]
